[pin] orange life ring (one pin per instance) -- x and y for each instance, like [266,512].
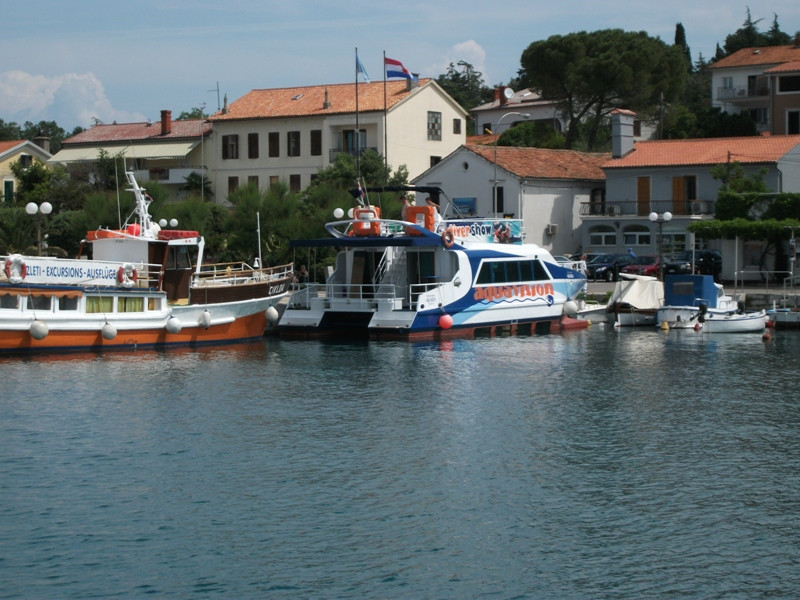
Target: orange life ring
[448,237]
[127,275]
[12,276]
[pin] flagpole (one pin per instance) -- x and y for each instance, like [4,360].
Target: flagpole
[385,125]
[358,131]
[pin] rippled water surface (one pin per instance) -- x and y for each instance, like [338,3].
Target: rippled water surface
[595,464]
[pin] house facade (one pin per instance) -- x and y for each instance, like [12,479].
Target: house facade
[19,151]
[544,188]
[289,134]
[167,151]
[764,82]
[507,102]
[674,176]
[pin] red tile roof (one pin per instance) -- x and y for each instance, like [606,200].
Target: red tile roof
[710,151]
[542,163]
[788,67]
[5,146]
[125,132]
[750,57]
[311,100]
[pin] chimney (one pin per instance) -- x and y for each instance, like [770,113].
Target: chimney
[503,97]
[412,83]
[166,122]
[327,103]
[621,132]
[497,94]
[42,141]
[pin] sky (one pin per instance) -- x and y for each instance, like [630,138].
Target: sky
[85,61]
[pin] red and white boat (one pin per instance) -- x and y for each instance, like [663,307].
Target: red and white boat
[143,287]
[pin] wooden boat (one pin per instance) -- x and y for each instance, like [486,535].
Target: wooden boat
[144,286]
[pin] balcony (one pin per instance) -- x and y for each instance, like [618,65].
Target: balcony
[167,175]
[744,93]
[632,208]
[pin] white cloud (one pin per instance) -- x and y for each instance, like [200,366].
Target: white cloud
[468,51]
[71,99]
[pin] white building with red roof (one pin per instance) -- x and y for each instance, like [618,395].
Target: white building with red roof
[289,134]
[19,151]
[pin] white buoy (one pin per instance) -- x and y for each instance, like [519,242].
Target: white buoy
[272,315]
[570,308]
[204,320]
[174,325]
[109,331]
[39,330]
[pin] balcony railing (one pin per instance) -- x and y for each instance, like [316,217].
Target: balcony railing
[742,92]
[632,208]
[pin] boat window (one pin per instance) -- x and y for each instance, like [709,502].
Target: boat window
[511,271]
[68,303]
[39,302]
[9,301]
[127,305]
[99,304]
[154,304]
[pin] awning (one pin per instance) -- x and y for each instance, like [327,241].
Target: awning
[152,151]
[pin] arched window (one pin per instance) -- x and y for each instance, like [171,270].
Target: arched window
[602,235]
[636,235]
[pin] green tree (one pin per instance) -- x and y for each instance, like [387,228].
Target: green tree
[199,184]
[680,42]
[589,74]
[196,113]
[539,134]
[748,36]
[466,86]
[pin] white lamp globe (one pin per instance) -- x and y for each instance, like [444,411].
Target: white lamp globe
[350,213]
[667,216]
[173,222]
[31,208]
[338,213]
[162,223]
[46,208]
[653,217]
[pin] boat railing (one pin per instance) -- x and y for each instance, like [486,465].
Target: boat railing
[359,296]
[238,273]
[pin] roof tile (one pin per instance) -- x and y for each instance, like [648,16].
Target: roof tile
[707,151]
[126,132]
[543,163]
[768,55]
[311,100]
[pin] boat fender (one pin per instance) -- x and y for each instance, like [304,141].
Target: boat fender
[39,330]
[127,275]
[204,320]
[448,237]
[109,331]
[445,321]
[570,308]
[16,269]
[173,325]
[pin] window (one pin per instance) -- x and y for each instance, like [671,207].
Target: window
[293,143]
[274,144]
[294,183]
[127,304]
[316,142]
[99,304]
[759,115]
[789,84]
[457,126]
[637,128]
[636,235]
[274,180]
[602,235]
[252,180]
[499,204]
[9,301]
[435,160]
[487,128]
[68,303]
[39,302]
[511,271]
[252,145]
[8,191]
[793,122]
[434,125]
[233,183]
[25,160]
[727,82]
[465,206]
[230,147]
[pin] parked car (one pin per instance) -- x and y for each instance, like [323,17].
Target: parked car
[607,266]
[706,262]
[643,265]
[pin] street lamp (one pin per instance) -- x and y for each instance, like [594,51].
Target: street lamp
[45,208]
[661,219]
[497,128]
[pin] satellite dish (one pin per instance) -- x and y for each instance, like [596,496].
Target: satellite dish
[508,93]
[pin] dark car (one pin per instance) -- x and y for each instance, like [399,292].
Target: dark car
[607,266]
[642,265]
[706,262]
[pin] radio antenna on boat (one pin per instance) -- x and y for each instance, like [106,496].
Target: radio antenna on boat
[258,233]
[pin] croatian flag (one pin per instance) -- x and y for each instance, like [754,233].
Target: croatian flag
[394,68]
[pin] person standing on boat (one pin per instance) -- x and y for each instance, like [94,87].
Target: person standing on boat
[404,210]
[437,218]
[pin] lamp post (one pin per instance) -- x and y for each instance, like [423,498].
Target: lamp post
[497,127]
[661,219]
[45,208]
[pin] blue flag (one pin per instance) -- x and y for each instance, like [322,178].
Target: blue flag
[360,69]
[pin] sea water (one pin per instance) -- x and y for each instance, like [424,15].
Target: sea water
[592,464]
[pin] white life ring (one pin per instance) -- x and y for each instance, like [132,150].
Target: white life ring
[127,275]
[16,269]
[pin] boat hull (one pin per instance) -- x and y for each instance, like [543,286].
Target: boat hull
[713,321]
[783,318]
